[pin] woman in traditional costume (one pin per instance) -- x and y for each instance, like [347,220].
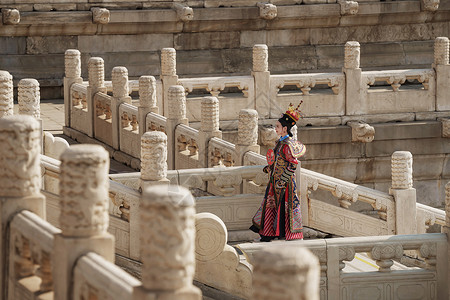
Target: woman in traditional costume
[279,215]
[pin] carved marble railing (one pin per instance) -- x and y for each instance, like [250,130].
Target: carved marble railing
[428,280]
[402,98]
[103,125]
[221,153]
[156,122]
[187,150]
[129,136]
[231,105]
[124,221]
[324,103]
[79,113]
[338,219]
[30,256]
[97,278]
[54,146]
[428,216]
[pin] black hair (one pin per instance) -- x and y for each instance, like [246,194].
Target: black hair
[286,121]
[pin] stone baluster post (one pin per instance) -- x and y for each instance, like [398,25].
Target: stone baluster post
[176,115]
[72,62]
[120,95]
[168,263]
[6,94]
[96,70]
[355,91]
[297,268]
[247,133]
[29,98]
[147,100]
[446,228]
[84,214]
[168,75]
[261,76]
[403,192]
[20,173]
[153,158]
[209,128]
[442,67]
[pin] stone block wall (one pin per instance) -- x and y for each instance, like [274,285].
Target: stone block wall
[306,37]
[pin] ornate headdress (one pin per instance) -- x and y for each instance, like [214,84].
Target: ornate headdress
[292,115]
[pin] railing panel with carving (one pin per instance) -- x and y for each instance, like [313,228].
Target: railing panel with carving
[399,97]
[186,153]
[428,216]
[97,278]
[156,122]
[30,257]
[231,103]
[130,140]
[349,224]
[103,126]
[257,186]
[222,154]
[427,279]
[124,219]
[79,114]
[317,101]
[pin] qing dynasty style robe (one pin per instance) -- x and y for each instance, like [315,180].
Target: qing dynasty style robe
[279,214]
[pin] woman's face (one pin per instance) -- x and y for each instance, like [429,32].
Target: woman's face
[280,130]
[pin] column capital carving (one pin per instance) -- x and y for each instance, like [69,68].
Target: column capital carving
[168,62]
[153,156]
[96,70]
[248,127]
[72,63]
[168,263]
[84,191]
[441,51]
[352,55]
[20,137]
[210,114]
[6,94]
[401,165]
[260,58]
[298,269]
[29,97]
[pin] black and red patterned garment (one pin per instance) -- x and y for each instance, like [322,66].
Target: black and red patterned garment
[279,215]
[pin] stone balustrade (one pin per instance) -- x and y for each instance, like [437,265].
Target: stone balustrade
[328,98]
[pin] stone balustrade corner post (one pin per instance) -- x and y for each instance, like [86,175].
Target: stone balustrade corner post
[6,94]
[353,80]
[96,73]
[247,133]
[168,75]
[153,159]
[403,192]
[297,268]
[169,263]
[176,105]
[84,218]
[261,75]
[209,127]
[442,68]
[20,184]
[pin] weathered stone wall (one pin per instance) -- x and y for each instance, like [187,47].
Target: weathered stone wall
[217,39]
